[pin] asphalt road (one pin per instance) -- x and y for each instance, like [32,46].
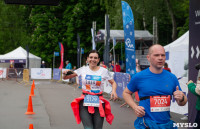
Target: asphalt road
[51,105]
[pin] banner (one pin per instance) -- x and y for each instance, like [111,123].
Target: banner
[129,38]
[93,42]
[40,73]
[15,73]
[122,79]
[194,52]
[3,72]
[61,55]
[106,58]
[56,74]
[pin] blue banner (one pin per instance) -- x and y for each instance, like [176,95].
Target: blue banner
[56,53]
[129,38]
[122,80]
[56,74]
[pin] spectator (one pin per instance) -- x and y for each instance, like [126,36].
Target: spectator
[166,67]
[110,58]
[43,64]
[102,64]
[110,68]
[68,65]
[117,68]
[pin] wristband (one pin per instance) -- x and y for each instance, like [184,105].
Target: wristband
[182,99]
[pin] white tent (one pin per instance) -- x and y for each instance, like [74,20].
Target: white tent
[19,55]
[177,55]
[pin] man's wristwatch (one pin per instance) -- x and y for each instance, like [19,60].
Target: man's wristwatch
[182,99]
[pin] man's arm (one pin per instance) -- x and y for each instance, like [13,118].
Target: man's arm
[127,95]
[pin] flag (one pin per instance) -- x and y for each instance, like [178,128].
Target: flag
[61,55]
[129,38]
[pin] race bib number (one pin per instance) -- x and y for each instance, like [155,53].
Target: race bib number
[91,100]
[160,103]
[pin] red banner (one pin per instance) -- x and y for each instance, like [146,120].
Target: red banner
[61,55]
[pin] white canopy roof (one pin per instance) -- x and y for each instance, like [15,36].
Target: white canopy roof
[18,53]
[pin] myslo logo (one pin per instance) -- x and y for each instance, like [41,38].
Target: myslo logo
[185,125]
[197,13]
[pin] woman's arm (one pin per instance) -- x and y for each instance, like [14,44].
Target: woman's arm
[114,88]
[65,76]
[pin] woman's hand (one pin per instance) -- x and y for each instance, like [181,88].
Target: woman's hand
[68,74]
[113,96]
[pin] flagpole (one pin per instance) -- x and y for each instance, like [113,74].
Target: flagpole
[53,59]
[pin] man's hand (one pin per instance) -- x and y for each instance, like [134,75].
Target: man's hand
[178,95]
[139,111]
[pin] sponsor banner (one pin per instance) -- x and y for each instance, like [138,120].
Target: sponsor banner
[194,52]
[122,79]
[15,61]
[56,74]
[61,55]
[15,73]
[3,72]
[129,38]
[107,85]
[40,73]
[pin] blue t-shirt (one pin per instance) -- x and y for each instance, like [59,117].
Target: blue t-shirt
[69,66]
[151,84]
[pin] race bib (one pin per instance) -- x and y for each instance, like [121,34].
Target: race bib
[93,83]
[91,100]
[160,103]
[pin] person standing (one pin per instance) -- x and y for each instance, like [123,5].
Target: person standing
[166,67]
[195,89]
[117,68]
[43,65]
[91,107]
[68,65]
[155,87]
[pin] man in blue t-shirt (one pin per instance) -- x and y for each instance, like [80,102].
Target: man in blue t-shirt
[155,87]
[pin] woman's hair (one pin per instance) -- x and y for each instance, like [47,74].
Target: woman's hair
[93,51]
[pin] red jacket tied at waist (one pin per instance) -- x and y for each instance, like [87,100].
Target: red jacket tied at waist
[107,113]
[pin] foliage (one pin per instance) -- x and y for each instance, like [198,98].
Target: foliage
[42,27]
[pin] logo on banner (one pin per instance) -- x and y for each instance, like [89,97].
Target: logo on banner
[197,13]
[128,43]
[41,73]
[1,72]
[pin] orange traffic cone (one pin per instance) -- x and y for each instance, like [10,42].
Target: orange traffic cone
[30,107]
[33,84]
[30,126]
[32,91]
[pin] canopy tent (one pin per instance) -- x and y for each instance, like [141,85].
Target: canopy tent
[177,55]
[19,55]
[119,35]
